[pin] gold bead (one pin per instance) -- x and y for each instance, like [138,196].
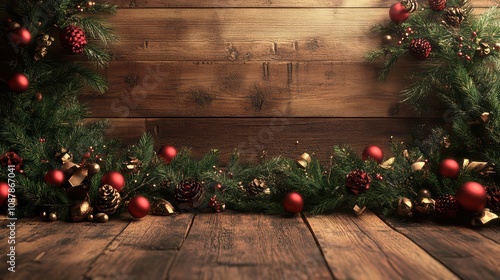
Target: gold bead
[101,218]
[52,217]
[90,217]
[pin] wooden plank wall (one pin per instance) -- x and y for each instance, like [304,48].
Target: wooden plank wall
[257,75]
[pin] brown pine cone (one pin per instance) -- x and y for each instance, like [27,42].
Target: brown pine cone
[257,187]
[454,16]
[446,206]
[357,181]
[189,194]
[108,200]
[493,195]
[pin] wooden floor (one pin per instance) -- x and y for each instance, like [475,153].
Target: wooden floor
[251,246]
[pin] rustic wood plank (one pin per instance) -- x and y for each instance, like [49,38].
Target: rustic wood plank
[127,130]
[263,89]
[60,249]
[366,248]
[266,3]
[249,246]
[491,231]
[245,34]
[464,251]
[248,34]
[277,136]
[146,247]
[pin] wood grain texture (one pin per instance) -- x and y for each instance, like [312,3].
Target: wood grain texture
[243,246]
[277,136]
[464,251]
[59,250]
[267,3]
[146,247]
[127,130]
[221,89]
[246,34]
[366,248]
[491,231]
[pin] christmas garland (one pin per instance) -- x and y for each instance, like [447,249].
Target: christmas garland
[56,166]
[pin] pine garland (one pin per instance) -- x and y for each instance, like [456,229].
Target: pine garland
[35,130]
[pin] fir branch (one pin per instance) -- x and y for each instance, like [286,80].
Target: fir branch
[97,55]
[96,29]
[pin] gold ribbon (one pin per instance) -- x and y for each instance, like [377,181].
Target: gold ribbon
[359,210]
[486,217]
[481,167]
[304,160]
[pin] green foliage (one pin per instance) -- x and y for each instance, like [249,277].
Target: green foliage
[37,129]
[463,82]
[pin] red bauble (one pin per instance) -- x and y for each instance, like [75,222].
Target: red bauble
[398,13]
[167,153]
[139,206]
[4,192]
[449,168]
[472,197]
[19,83]
[373,152]
[21,37]
[55,177]
[115,179]
[293,203]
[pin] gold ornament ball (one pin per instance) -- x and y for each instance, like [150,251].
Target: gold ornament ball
[90,217]
[424,193]
[101,218]
[80,210]
[404,207]
[94,168]
[387,38]
[43,215]
[52,217]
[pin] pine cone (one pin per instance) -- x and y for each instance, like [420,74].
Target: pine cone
[189,194]
[420,48]
[483,49]
[108,199]
[410,5]
[446,206]
[454,16]
[73,38]
[133,165]
[357,181]
[437,5]
[257,187]
[493,195]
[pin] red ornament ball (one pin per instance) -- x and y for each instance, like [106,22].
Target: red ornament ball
[18,83]
[472,197]
[139,206]
[115,179]
[4,192]
[398,13]
[167,153]
[293,203]
[21,37]
[373,152]
[55,177]
[449,168]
